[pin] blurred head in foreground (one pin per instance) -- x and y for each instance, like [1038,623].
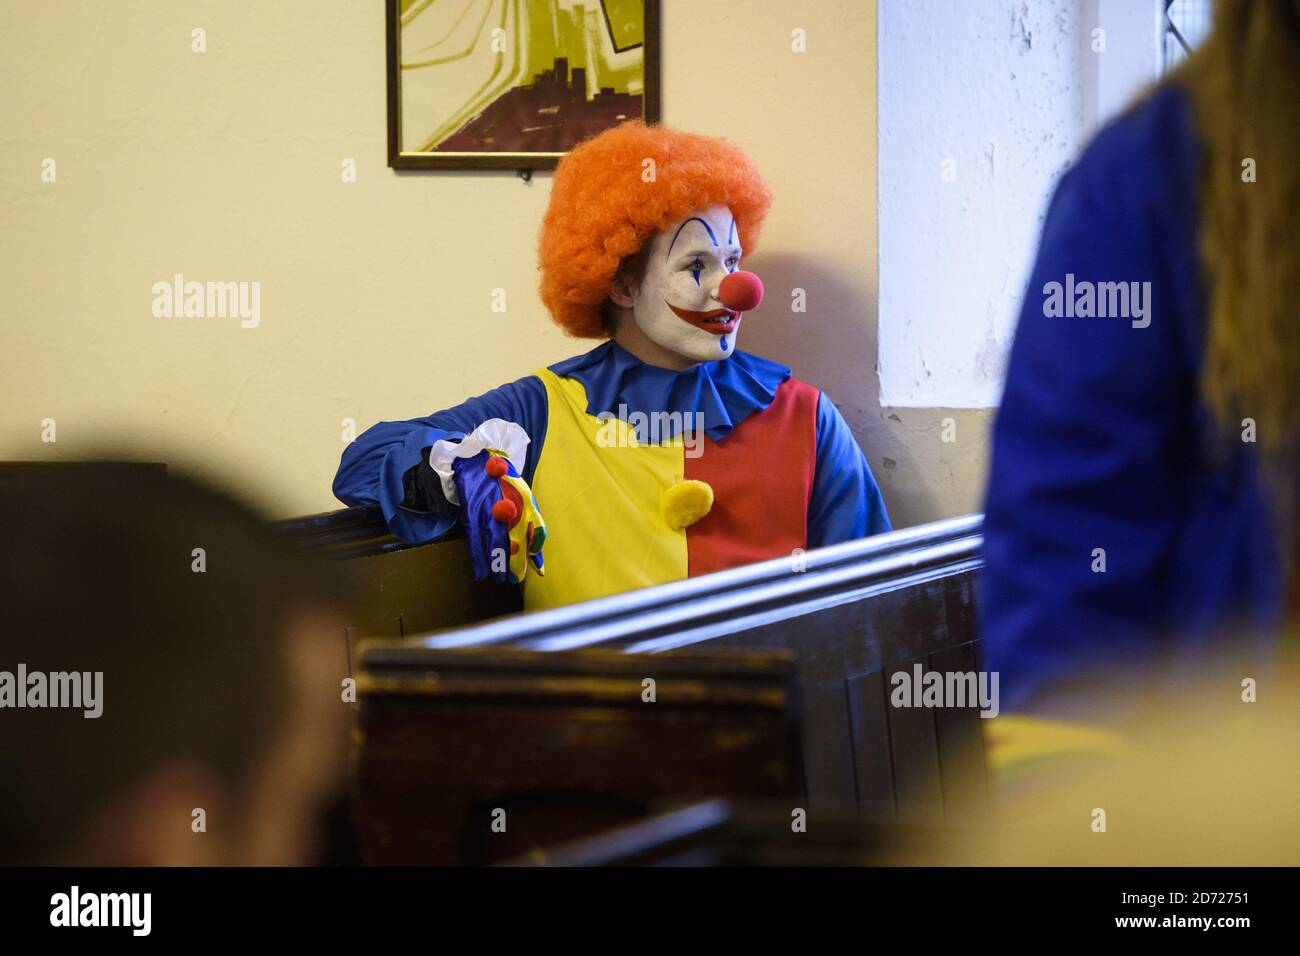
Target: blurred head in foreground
[169,676]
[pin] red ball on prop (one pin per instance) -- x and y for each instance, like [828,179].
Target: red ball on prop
[741,291]
[505,511]
[496,466]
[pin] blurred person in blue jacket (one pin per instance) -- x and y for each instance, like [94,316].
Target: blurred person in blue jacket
[1142,487]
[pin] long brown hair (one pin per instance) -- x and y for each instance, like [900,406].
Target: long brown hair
[1244,86]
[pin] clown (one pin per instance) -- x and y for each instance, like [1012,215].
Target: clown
[665,452]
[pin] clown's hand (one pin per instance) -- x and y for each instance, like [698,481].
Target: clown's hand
[502,520]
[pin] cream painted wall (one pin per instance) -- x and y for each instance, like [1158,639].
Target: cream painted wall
[376,296]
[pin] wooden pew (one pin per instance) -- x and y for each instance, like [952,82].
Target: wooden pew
[851,615]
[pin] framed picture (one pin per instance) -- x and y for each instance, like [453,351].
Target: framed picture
[514,84]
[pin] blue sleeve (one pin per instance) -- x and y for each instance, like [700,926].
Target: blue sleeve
[1094,442]
[373,466]
[846,502]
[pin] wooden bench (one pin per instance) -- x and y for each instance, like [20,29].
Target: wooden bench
[848,616]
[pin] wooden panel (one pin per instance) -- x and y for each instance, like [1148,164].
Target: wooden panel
[961,746]
[828,770]
[873,762]
[875,635]
[423,589]
[562,742]
[914,748]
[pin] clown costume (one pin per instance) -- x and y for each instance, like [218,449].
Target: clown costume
[664,452]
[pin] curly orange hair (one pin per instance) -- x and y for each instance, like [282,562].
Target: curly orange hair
[606,205]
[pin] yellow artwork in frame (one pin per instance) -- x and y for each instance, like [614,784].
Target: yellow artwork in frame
[515,84]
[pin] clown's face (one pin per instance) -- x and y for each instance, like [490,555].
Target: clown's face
[676,303]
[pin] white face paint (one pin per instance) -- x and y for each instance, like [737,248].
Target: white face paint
[677,304]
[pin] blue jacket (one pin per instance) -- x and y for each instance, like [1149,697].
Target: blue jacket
[846,501]
[1103,450]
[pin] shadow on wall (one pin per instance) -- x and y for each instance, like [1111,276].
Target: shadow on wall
[930,462]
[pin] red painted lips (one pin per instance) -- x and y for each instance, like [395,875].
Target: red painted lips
[716,321]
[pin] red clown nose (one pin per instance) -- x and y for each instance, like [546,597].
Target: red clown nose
[741,291]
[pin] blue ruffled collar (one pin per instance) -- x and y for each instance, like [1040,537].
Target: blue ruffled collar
[726,392]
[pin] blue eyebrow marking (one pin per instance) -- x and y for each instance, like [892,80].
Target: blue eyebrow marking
[732,234]
[712,238]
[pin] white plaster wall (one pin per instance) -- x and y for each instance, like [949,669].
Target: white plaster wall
[1000,95]
[993,89]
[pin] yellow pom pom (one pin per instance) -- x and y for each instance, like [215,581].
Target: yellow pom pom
[685,503]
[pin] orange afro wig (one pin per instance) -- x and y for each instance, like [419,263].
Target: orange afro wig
[607,202]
